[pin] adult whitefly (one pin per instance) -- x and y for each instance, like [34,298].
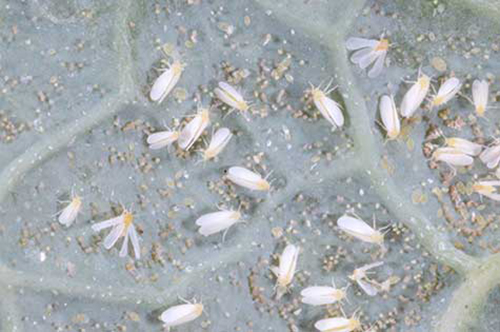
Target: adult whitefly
[219,141]
[329,108]
[446,92]
[491,156]
[162,139]
[181,314]
[368,51]
[193,129]
[122,226]
[164,84]
[480,91]
[415,96]
[216,222]
[389,117]
[231,97]
[70,212]
[247,179]
[360,230]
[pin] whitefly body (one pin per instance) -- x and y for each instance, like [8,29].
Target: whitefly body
[452,156]
[464,146]
[248,179]
[491,156]
[193,129]
[446,91]
[368,51]
[70,212]
[488,189]
[285,271]
[121,226]
[360,230]
[162,139]
[329,108]
[360,276]
[219,141]
[338,324]
[389,116]
[231,97]
[414,97]
[216,222]
[181,314]
[480,91]
[321,295]
[166,82]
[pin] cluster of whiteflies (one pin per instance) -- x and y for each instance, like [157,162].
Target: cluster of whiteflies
[324,295]
[458,152]
[211,223]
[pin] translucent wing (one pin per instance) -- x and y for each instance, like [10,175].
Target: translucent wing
[107,223]
[162,86]
[135,241]
[124,249]
[113,236]
[355,43]
[378,66]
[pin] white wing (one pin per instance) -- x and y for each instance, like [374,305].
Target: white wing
[355,43]
[330,111]
[231,91]
[107,223]
[491,156]
[135,241]
[69,214]
[180,314]
[161,139]
[124,249]
[220,139]
[113,236]
[378,66]
[368,288]
[337,324]
[354,226]
[453,157]
[288,263]
[162,86]
[480,94]
[193,130]
[389,116]
[245,178]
